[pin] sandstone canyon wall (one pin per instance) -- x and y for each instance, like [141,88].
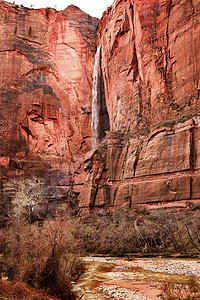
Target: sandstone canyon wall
[149,64]
[145,107]
[46,60]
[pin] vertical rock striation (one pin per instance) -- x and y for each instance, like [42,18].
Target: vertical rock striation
[144,111]
[46,71]
[150,64]
[95,100]
[100,119]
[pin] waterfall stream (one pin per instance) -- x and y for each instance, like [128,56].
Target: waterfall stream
[113,9]
[95,100]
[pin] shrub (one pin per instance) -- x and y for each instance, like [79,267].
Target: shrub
[189,291]
[125,231]
[19,290]
[54,280]
[39,256]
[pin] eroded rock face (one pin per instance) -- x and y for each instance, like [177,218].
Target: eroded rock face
[150,61]
[46,60]
[150,65]
[131,171]
[148,101]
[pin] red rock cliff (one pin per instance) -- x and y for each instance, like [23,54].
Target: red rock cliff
[46,60]
[150,63]
[147,101]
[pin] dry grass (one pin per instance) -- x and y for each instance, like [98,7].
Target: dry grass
[40,257]
[188,291]
[20,290]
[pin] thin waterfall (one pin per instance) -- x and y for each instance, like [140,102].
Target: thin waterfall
[170,139]
[113,9]
[95,100]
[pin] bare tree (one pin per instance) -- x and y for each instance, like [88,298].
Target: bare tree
[26,196]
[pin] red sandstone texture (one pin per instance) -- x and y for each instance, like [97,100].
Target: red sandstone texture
[46,60]
[149,90]
[150,61]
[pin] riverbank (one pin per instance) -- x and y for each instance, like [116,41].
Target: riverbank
[140,279]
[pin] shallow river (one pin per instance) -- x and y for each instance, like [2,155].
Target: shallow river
[110,279]
[96,273]
[140,279]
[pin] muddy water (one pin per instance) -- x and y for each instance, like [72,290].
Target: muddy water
[108,278]
[140,279]
[96,273]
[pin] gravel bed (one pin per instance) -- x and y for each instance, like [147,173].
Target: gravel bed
[118,293]
[179,267]
[123,271]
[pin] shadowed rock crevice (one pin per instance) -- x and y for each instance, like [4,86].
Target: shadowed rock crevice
[104,117]
[150,59]
[100,118]
[147,98]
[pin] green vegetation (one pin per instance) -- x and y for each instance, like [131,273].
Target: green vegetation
[181,119]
